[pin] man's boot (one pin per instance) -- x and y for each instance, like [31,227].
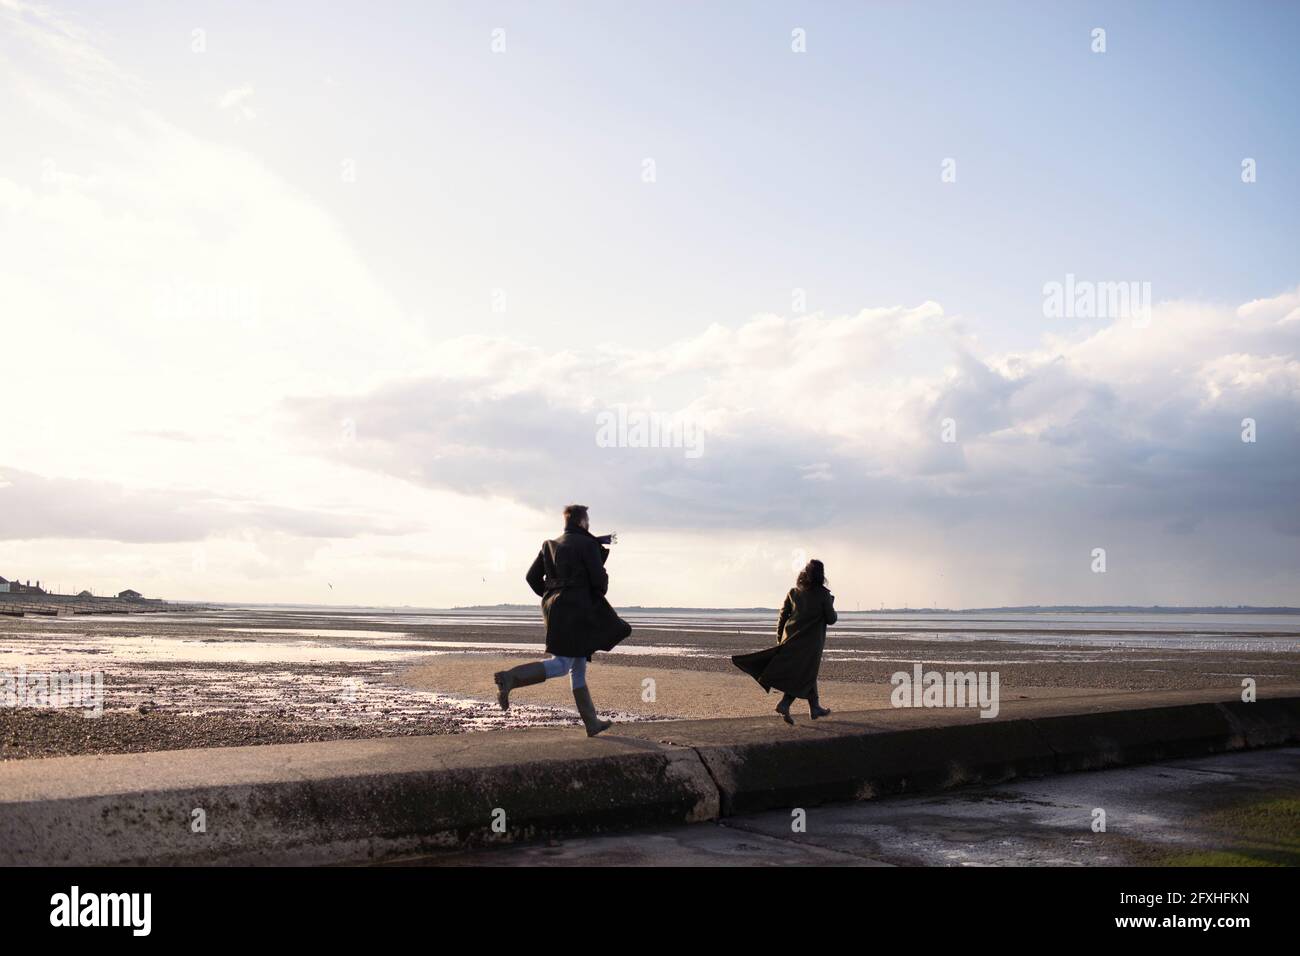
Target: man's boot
[521,676]
[587,711]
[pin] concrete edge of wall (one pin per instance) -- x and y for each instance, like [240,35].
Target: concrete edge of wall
[755,776]
[343,816]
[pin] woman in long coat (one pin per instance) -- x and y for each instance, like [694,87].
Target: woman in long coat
[791,666]
[569,575]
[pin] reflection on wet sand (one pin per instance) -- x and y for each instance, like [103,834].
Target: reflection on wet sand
[371,671]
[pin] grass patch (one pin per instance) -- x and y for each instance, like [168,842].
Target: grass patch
[1262,833]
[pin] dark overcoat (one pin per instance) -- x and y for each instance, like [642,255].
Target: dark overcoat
[570,577]
[791,666]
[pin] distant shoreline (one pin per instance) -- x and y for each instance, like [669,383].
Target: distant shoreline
[1011,609]
[87,605]
[1017,609]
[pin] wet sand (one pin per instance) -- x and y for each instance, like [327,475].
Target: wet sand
[38,732]
[236,676]
[621,689]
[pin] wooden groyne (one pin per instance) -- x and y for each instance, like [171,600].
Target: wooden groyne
[56,605]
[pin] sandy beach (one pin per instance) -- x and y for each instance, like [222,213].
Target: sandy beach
[238,676]
[641,689]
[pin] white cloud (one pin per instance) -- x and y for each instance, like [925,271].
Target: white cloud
[236,101]
[1134,420]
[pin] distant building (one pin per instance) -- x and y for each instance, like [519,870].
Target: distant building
[4,586]
[85,594]
[17,587]
[129,595]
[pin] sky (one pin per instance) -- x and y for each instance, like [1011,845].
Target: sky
[980,304]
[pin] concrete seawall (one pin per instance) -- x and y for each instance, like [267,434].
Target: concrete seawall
[355,800]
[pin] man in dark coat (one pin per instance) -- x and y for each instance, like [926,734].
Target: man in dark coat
[569,575]
[792,665]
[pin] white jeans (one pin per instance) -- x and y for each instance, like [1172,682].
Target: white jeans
[575,667]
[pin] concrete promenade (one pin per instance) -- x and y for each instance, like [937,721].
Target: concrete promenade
[365,800]
[1222,810]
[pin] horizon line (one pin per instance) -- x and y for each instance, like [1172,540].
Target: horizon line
[1058,608]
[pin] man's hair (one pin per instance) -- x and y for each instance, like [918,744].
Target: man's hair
[573,514]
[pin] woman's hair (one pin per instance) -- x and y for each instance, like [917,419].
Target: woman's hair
[812,576]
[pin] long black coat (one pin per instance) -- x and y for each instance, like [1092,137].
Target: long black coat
[569,575]
[791,666]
